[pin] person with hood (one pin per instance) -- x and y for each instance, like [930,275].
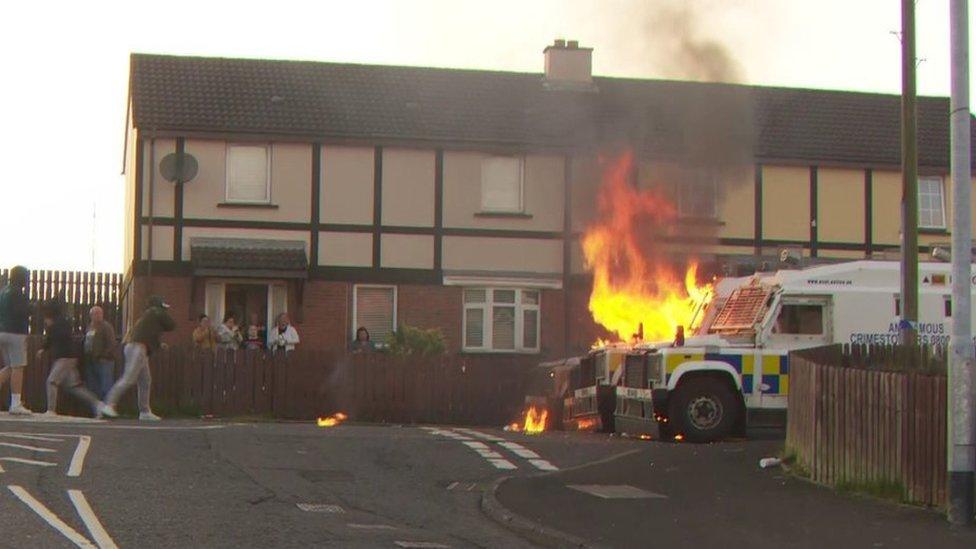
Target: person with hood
[14,325]
[64,362]
[141,341]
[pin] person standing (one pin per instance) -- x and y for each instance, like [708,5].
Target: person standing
[14,324]
[228,333]
[141,341]
[284,336]
[255,333]
[204,337]
[99,353]
[64,363]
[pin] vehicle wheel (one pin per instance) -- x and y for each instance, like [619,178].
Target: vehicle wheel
[703,409]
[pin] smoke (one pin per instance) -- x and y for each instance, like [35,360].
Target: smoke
[680,49]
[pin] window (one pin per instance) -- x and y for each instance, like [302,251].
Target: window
[501,319]
[374,308]
[698,197]
[931,206]
[501,184]
[248,174]
[800,320]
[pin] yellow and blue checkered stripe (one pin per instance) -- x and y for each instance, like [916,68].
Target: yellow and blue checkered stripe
[775,369]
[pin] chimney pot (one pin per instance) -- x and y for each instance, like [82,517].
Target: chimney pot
[559,43]
[572,44]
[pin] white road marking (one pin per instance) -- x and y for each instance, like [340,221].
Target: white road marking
[94,525]
[26,447]
[321,508]
[51,518]
[479,434]
[543,465]
[370,526]
[519,450]
[32,437]
[489,454]
[502,464]
[420,545]
[78,459]
[476,445]
[29,461]
[615,491]
[452,485]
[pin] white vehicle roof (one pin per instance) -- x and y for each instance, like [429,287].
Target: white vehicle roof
[859,276]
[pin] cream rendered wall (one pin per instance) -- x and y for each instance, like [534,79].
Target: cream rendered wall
[502,254]
[130,196]
[408,187]
[737,202]
[786,203]
[886,207]
[840,208]
[291,186]
[347,185]
[407,251]
[346,249]
[267,234]
[162,238]
[542,193]
[163,189]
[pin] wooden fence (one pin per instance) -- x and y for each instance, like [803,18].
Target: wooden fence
[79,290]
[870,420]
[304,384]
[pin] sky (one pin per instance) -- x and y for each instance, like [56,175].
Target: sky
[65,72]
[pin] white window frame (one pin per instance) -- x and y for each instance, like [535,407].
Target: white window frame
[701,179]
[521,186]
[355,313]
[269,152]
[487,324]
[942,202]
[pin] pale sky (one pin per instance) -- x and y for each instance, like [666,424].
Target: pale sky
[65,71]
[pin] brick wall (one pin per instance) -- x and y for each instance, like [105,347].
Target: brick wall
[429,306]
[326,311]
[176,290]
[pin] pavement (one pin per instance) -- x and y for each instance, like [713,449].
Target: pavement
[188,483]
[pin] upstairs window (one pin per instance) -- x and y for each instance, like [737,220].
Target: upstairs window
[501,319]
[931,203]
[374,308]
[501,184]
[698,197]
[248,174]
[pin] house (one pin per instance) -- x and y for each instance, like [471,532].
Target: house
[358,195]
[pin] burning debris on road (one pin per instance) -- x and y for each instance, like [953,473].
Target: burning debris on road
[331,421]
[533,422]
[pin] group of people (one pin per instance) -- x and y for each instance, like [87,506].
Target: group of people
[230,335]
[99,350]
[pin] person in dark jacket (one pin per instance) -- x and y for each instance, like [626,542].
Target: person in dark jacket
[141,341]
[14,323]
[64,362]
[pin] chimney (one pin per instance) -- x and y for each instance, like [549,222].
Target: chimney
[567,62]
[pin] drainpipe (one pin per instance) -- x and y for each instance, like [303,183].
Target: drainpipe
[152,194]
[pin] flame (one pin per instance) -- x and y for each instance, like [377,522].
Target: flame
[535,420]
[679,437]
[585,424]
[331,421]
[635,284]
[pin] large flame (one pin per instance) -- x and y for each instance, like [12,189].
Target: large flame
[635,284]
[331,421]
[535,420]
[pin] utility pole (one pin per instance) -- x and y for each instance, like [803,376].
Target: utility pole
[909,175]
[962,377]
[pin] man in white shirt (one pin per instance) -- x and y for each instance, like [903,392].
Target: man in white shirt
[283,335]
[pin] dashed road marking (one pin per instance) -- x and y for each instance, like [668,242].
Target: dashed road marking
[479,434]
[94,525]
[78,459]
[31,437]
[502,464]
[26,447]
[476,445]
[28,461]
[420,545]
[321,508]
[519,450]
[452,485]
[615,491]
[370,526]
[42,511]
[543,465]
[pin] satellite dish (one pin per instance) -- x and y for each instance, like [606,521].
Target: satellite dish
[179,167]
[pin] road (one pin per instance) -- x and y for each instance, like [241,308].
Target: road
[216,484]
[194,484]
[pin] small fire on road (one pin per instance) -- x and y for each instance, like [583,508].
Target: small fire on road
[534,421]
[331,421]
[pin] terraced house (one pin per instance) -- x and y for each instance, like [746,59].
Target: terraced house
[357,195]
